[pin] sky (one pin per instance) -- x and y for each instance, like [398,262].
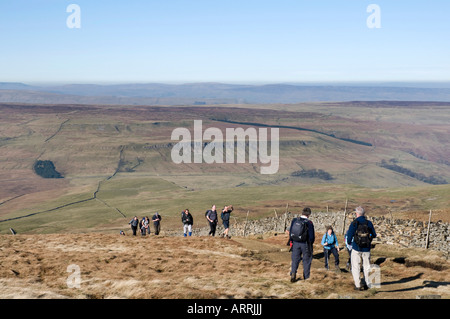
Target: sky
[245,41]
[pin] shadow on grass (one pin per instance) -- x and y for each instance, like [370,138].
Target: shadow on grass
[426,284]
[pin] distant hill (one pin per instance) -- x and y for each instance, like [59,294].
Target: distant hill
[15,86]
[213,93]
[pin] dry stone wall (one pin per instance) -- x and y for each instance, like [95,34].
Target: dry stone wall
[402,232]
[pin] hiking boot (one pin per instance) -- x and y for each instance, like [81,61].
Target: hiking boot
[293,279]
[359,288]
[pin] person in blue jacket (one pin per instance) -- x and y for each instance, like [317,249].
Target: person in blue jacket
[330,246]
[360,235]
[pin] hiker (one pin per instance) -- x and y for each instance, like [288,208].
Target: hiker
[122,233]
[225,215]
[147,220]
[157,222]
[134,224]
[211,216]
[360,235]
[330,246]
[188,221]
[144,226]
[302,235]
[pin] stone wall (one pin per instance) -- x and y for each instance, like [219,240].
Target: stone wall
[402,232]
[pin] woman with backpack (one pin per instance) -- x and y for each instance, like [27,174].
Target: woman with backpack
[144,226]
[330,246]
[188,221]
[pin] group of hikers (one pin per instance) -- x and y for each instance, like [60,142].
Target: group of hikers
[188,221]
[144,225]
[358,239]
[358,242]
[213,219]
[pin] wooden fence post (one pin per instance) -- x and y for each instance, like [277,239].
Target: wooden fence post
[276,220]
[245,227]
[285,216]
[428,231]
[345,216]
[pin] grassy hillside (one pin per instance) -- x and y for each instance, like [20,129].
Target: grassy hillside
[116,162]
[157,267]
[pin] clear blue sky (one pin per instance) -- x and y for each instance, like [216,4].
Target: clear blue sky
[224,40]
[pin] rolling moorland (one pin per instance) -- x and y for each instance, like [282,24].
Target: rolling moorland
[115,162]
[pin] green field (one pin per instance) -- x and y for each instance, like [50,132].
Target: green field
[116,163]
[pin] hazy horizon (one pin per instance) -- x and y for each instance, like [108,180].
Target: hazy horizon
[412,84]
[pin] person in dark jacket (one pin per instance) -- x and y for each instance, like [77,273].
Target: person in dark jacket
[211,216]
[134,225]
[188,221]
[157,223]
[226,212]
[303,250]
[359,252]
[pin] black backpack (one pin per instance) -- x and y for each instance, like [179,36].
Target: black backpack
[299,230]
[362,234]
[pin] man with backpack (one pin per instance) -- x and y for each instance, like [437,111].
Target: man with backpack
[157,223]
[211,216]
[301,234]
[360,235]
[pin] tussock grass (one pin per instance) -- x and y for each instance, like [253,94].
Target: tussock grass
[113,266]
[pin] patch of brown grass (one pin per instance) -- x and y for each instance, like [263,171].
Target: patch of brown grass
[113,266]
